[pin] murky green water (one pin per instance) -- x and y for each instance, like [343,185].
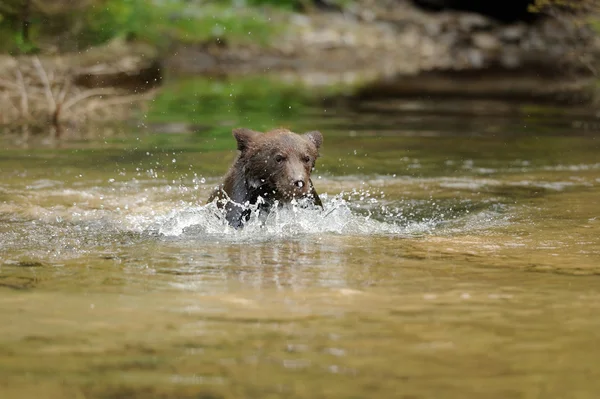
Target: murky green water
[458,256]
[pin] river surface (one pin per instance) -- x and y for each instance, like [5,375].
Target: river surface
[458,256]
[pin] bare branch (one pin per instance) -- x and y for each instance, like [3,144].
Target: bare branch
[126,99]
[8,85]
[87,94]
[24,96]
[33,93]
[44,79]
[64,90]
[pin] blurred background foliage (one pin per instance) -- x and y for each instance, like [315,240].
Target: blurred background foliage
[29,26]
[215,105]
[59,26]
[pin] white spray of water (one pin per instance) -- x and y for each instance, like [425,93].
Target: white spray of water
[208,222]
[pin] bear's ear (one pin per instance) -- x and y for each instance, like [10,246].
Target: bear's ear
[314,137]
[244,137]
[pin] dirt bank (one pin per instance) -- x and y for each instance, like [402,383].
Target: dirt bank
[406,49]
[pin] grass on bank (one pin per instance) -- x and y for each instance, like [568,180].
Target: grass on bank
[177,21]
[73,26]
[258,102]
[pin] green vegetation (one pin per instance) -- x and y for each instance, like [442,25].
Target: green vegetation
[258,102]
[32,25]
[583,11]
[572,5]
[175,20]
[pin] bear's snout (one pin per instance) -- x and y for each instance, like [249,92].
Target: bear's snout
[298,186]
[297,183]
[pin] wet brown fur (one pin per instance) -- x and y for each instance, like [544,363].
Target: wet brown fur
[274,166]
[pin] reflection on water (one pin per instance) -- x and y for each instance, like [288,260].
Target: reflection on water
[447,263]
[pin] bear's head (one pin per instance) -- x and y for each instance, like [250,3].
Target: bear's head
[278,164]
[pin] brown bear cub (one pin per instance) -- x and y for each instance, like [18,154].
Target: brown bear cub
[274,166]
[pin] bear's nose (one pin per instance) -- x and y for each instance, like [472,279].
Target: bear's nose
[299,183]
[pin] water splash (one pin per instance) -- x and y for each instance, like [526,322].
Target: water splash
[71,220]
[339,216]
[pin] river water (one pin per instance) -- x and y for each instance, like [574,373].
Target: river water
[458,255]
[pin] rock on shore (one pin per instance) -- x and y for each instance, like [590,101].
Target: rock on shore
[407,50]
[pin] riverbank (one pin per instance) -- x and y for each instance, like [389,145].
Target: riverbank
[366,49]
[402,49]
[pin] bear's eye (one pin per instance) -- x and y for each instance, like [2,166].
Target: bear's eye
[279,158]
[306,158]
